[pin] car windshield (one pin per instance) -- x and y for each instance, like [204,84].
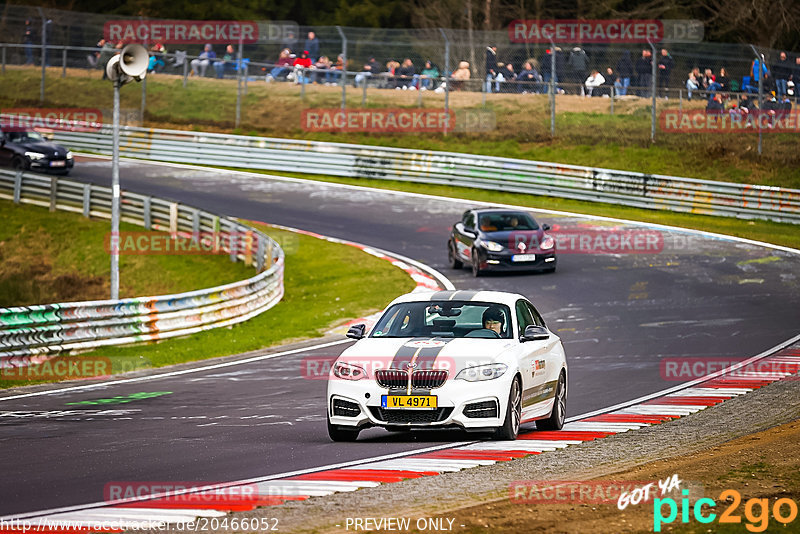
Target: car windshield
[24,137]
[506,222]
[445,319]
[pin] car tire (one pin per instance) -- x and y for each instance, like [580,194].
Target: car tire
[558,414]
[510,428]
[20,164]
[337,433]
[476,264]
[452,257]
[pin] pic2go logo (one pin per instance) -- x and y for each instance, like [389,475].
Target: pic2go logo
[756,511]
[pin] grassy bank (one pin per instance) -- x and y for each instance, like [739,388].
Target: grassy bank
[59,257]
[325,283]
[586,133]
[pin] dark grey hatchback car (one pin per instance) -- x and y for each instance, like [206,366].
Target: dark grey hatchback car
[500,239]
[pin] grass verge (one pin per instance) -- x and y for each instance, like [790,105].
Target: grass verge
[60,257]
[325,283]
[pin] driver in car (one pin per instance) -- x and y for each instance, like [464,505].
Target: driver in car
[493,319]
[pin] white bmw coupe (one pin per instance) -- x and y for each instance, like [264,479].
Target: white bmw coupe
[481,361]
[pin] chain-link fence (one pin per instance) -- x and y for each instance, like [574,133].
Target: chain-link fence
[364,68]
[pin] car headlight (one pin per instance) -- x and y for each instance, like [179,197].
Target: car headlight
[491,246]
[547,243]
[482,372]
[348,371]
[69,154]
[34,155]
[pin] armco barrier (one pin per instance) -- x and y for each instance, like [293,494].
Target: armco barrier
[31,333]
[481,172]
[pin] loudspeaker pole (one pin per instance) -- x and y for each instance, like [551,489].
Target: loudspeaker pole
[129,65]
[115,194]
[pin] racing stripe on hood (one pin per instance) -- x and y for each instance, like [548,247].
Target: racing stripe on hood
[462,294]
[423,351]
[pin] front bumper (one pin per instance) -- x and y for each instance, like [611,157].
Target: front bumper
[452,399]
[503,261]
[52,165]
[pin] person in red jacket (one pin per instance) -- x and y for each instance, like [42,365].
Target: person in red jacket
[300,63]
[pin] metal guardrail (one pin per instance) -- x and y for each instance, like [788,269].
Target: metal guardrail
[31,331]
[481,172]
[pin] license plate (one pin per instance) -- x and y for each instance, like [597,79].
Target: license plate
[57,163]
[523,257]
[406,402]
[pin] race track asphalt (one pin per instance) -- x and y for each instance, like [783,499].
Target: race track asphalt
[619,316]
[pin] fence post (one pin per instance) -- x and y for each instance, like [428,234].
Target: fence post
[64,62]
[653,86]
[185,71]
[44,53]
[364,93]
[552,88]
[4,59]
[17,187]
[87,200]
[612,99]
[233,242]
[344,66]
[760,58]
[173,218]
[239,83]
[447,81]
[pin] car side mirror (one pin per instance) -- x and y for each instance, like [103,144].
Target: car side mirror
[545,227]
[534,333]
[357,331]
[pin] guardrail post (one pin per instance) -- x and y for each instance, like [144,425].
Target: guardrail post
[147,214]
[260,254]
[64,62]
[233,242]
[17,187]
[173,217]
[185,71]
[53,193]
[87,200]
[196,225]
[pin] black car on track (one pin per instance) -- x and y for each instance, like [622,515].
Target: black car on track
[29,150]
[501,239]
